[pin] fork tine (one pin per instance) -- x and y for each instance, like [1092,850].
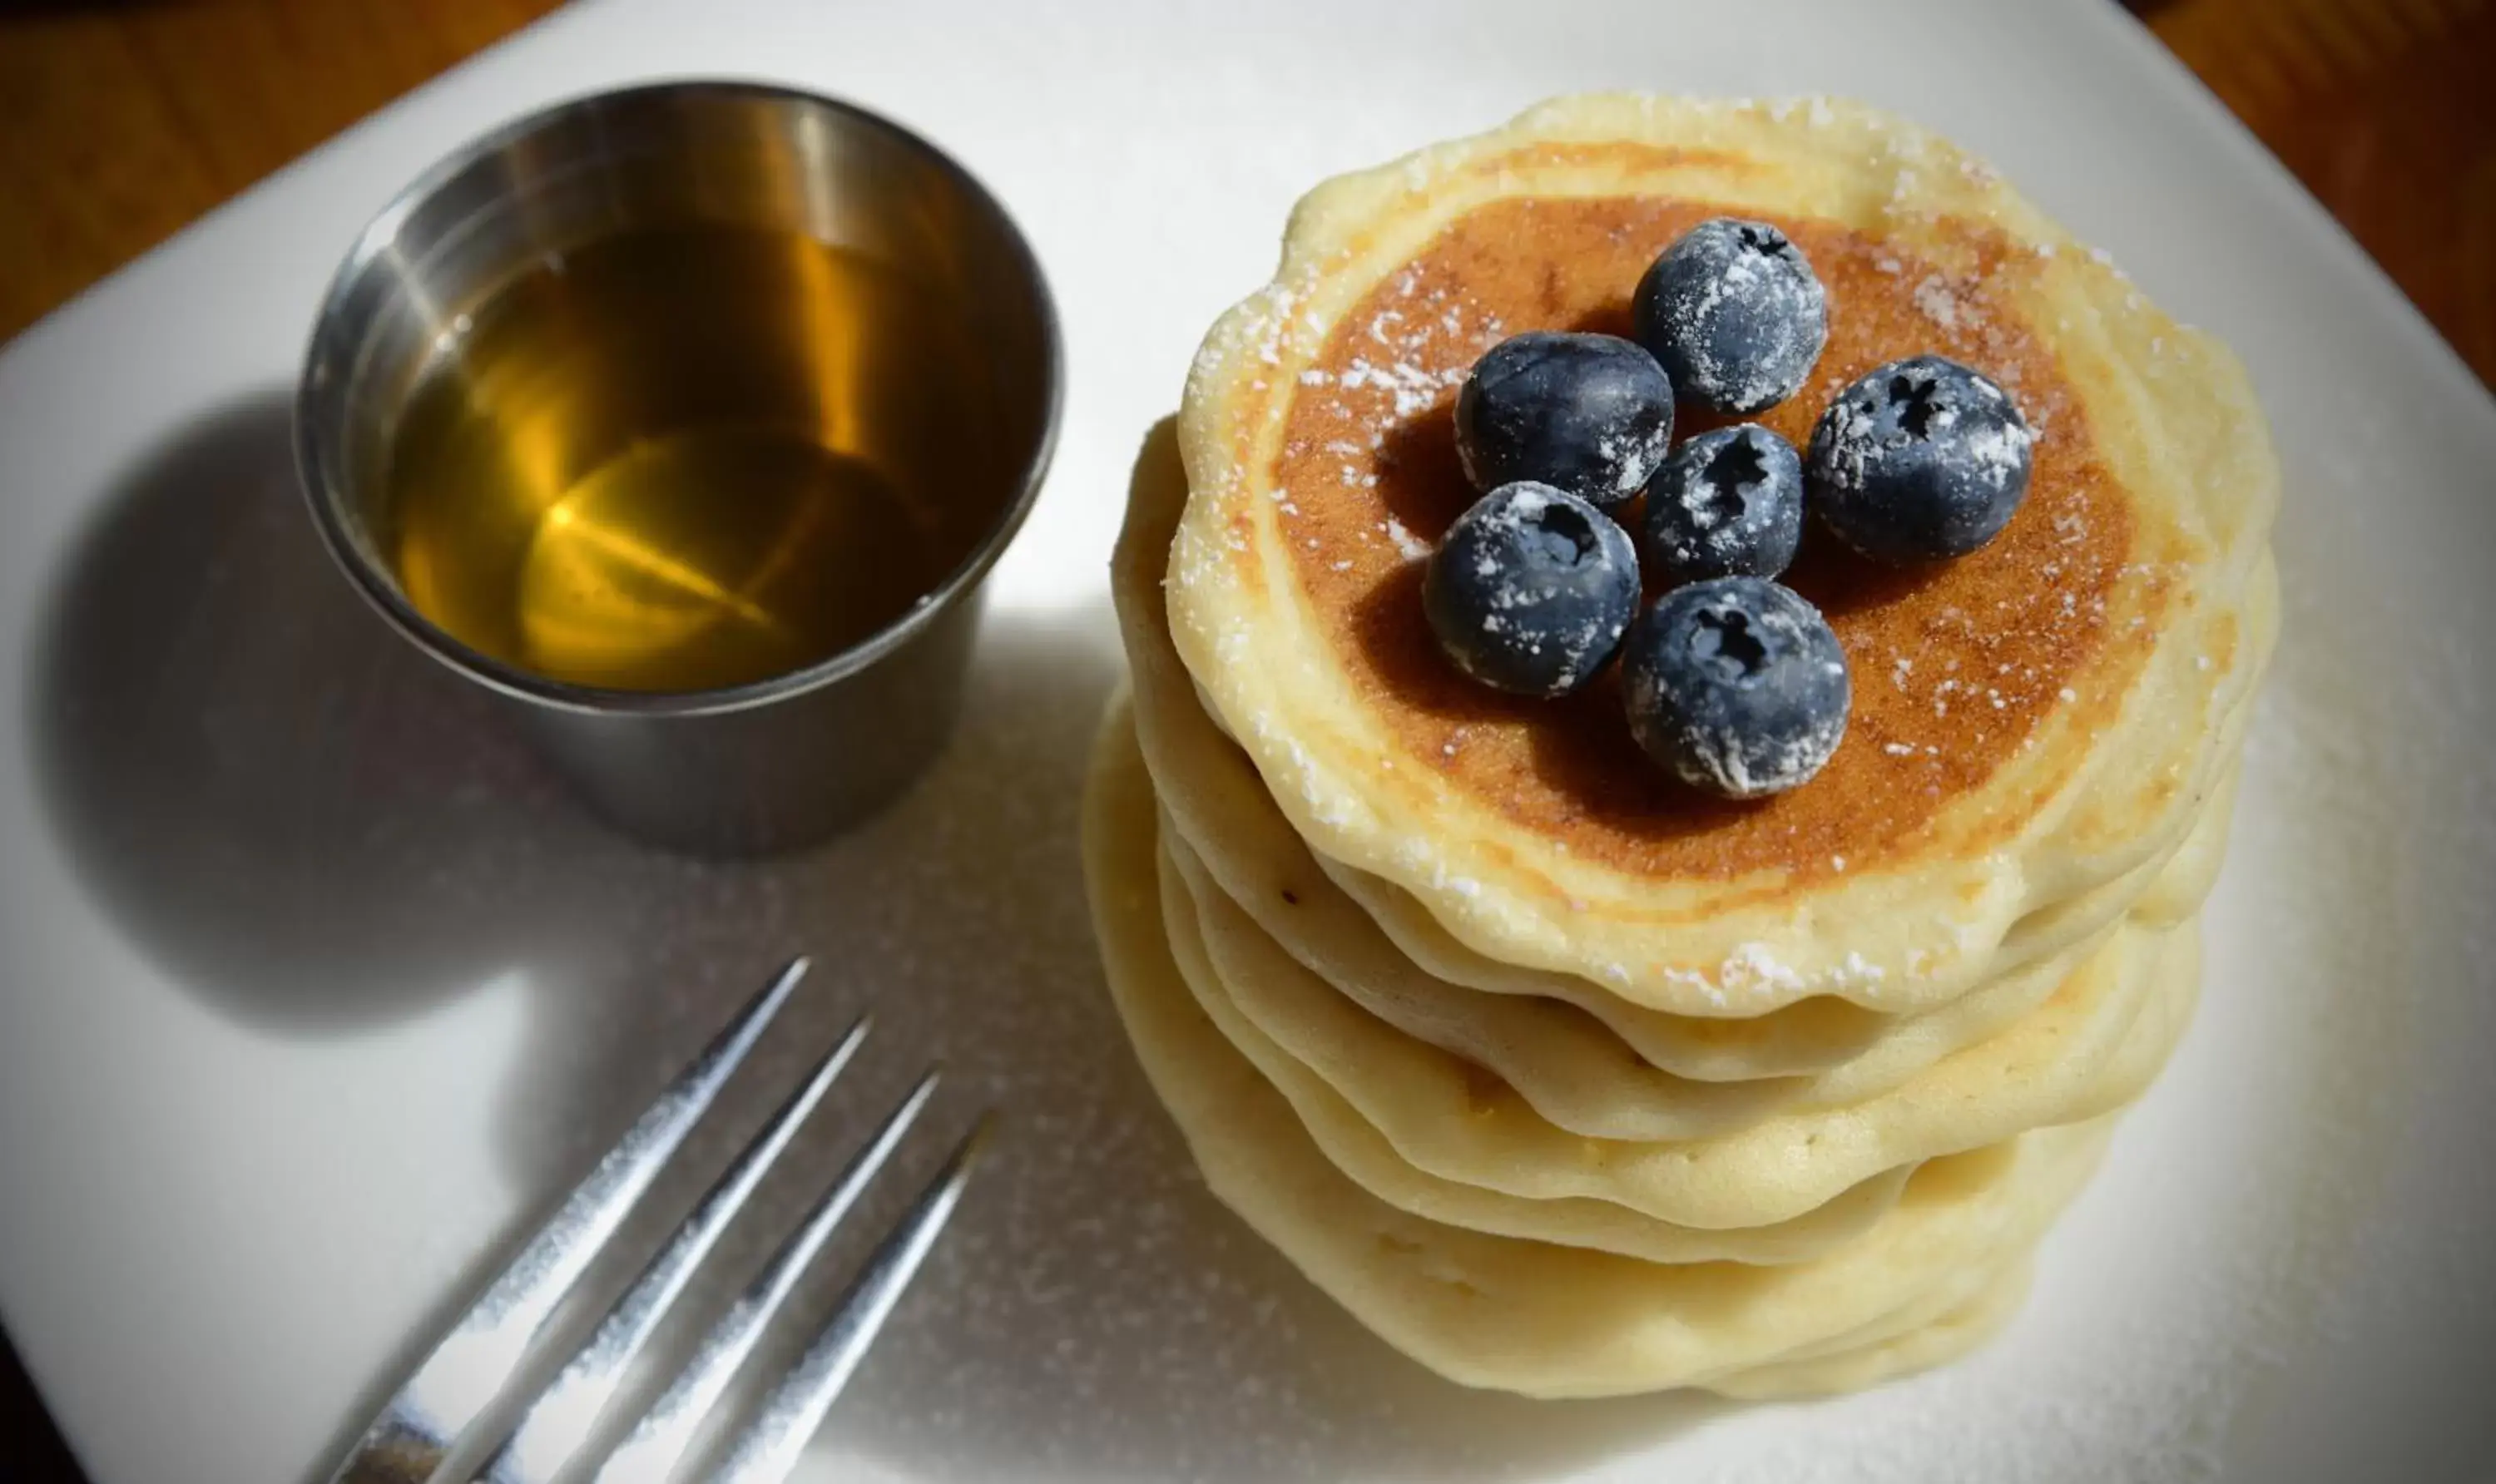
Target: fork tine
[460,1378]
[657,1445]
[769,1446]
[559,1421]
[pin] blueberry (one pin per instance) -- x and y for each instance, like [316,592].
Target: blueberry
[1531,590]
[1921,460]
[1588,414]
[1735,314]
[1737,685]
[1727,503]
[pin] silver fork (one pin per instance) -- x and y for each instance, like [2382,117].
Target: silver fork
[469,1371]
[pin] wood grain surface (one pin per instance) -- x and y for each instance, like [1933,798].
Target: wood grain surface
[123,121]
[2387,110]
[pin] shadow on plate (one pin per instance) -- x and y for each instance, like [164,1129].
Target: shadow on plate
[318,832]
[300,818]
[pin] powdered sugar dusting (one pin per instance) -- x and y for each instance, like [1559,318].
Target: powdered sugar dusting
[1413,390]
[1935,302]
[1410,547]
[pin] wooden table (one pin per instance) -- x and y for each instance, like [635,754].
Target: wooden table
[121,120]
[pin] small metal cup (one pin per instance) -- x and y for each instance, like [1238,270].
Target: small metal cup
[753,767]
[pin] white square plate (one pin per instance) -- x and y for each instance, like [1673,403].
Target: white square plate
[313,987]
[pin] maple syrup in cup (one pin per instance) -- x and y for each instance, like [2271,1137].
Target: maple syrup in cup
[687,419]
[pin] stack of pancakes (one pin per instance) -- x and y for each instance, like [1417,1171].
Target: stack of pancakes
[1563,1077]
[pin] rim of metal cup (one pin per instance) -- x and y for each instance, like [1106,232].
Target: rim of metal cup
[324,490]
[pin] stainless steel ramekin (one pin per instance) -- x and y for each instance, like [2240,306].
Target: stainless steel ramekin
[754,767]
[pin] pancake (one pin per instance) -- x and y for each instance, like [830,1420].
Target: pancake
[1607,1068]
[2096,1043]
[1571,1072]
[1914,1345]
[1357,1148]
[1822,1032]
[1530,1316]
[2032,722]
[1589,1061]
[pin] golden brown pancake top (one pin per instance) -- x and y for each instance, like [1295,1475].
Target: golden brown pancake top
[1952,664]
